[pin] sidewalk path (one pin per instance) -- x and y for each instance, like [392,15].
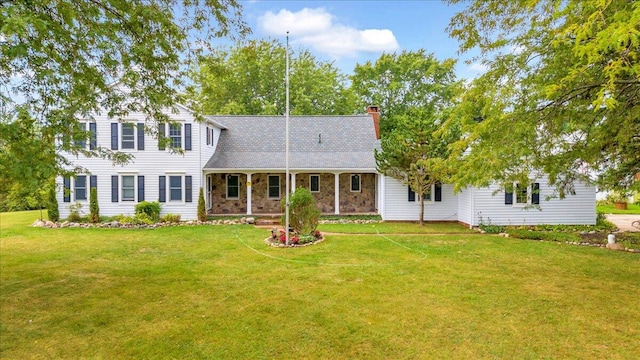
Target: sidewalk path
[623,222]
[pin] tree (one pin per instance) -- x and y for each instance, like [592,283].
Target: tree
[94,209]
[415,152]
[400,82]
[560,96]
[52,204]
[202,211]
[58,61]
[248,79]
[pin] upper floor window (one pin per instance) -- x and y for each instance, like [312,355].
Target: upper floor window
[127,136]
[175,134]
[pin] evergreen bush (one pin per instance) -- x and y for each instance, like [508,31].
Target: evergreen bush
[202,211]
[94,210]
[151,209]
[52,205]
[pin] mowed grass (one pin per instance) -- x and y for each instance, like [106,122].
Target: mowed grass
[611,209]
[219,292]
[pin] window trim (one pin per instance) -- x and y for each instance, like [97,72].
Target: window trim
[269,187]
[311,183]
[170,188]
[133,137]
[227,177]
[133,188]
[359,182]
[75,188]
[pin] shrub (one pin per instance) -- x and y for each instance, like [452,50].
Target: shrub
[74,212]
[303,213]
[143,218]
[52,205]
[151,209]
[541,235]
[171,218]
[94,210]
[202,211]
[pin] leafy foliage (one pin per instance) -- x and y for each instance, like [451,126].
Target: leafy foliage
[414,150]
[59,61]
[303,213]
[171,218]
[94,209]
[151,209]
[202,211]
[247,79]
[561,94]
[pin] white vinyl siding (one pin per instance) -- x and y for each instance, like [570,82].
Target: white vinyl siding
[150,163]
[398,207]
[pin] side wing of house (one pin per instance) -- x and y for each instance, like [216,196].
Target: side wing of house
[153,174]
[400,203]
[529,207]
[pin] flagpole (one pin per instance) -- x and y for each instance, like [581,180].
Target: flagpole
[286,77]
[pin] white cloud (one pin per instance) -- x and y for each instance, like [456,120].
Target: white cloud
[478,67]
[315,28]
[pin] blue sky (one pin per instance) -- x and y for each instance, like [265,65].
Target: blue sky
[351,32]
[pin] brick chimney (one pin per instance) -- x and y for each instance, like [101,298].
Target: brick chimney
[375,114]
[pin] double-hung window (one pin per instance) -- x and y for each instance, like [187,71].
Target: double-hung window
[175,188]
[355,182]
[81,187]
[175,134]
[128,136]
[233,187]
[274,187]
[518,194]
[128,188]
[314,183]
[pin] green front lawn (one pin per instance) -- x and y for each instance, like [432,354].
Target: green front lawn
[611,209]
[218,292]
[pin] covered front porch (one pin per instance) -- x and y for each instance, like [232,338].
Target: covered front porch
[260,193]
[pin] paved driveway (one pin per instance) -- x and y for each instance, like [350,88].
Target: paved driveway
[623,222]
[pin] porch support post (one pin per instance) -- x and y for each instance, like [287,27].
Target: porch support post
[249,193]
[337,193]
[293,182]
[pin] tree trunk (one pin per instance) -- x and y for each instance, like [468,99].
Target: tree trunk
[422,210]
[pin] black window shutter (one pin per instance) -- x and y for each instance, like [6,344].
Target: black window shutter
[114,188]
[67,189]
[508,198]
[114,136]
[535,194]
[162,196]
[93,182]
[208,137]
[187,189]
[187,136]
[412,195]
[161,130]
[140,136]
[140,188]
[438,194]
[93,141]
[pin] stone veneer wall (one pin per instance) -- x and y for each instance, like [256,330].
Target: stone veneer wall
[358,202]
[219,202]
[350,202]
[260,202]
[325,199]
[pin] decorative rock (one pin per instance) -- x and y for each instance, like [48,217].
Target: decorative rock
[615,246]
[243,220]
[251,220]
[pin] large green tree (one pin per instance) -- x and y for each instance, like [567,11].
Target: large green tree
[58,60]
[414,147]
[560,96]
[249,78]
[404,81]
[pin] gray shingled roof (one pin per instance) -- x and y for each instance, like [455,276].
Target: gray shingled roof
[315,143]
